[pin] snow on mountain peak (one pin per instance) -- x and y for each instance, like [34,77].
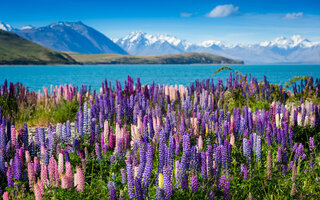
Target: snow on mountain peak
[149,39]
[210,43]
[290,42]
[5,27]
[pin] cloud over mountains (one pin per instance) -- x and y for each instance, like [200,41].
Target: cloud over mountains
[223,11]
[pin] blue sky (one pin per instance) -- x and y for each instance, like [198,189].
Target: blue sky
[194,20]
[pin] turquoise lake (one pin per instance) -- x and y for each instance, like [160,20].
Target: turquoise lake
[35,77]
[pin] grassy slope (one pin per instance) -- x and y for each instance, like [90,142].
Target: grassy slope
[187,58]
[17,50]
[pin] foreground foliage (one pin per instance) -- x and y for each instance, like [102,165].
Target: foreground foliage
[234,140]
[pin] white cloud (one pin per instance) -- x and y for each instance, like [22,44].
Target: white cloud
[223,11]
[185,14]
[293,15]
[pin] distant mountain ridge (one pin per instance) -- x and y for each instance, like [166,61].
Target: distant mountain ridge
[80,38]
[294,49]
[70,37]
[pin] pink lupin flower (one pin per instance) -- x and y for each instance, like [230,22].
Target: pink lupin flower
[42,151]
[57,178]
[69,174]
[64,181]
[51,170]
[44,174]
[5,195]
[60,163]
[80,179]
[40,184]
[31,175]
[28,158]
[13,137]
[37,192]
[21,155]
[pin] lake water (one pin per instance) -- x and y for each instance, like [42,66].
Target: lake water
[35,77]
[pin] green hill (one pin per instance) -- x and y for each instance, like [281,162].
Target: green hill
[186,58]
[15,50]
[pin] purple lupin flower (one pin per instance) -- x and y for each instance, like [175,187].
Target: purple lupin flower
[224,183]
[184,160]
[162,140]
[137,184]
[171,154]
[113,193]
[25,136]
[98,151]
[148,169]
[130,181]
[311,144]
[211,195]
[142,159]
[210,160]
[279,154]
[10,176]
[268,135]
[258,148]
[2,136]
[194,183]
[203,165]
[167,183]
[184,182]
[123,176]
[17,167]
[2,165]
[244,170]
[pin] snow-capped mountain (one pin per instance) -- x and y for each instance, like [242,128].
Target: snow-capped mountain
[294,49]
[5,27]
[70,36]
[77,37]
[140,43]
[291,42]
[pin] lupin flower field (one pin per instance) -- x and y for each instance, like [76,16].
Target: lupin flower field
[239,138]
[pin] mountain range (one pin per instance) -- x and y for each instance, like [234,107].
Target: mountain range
[294,49]
[80,38]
